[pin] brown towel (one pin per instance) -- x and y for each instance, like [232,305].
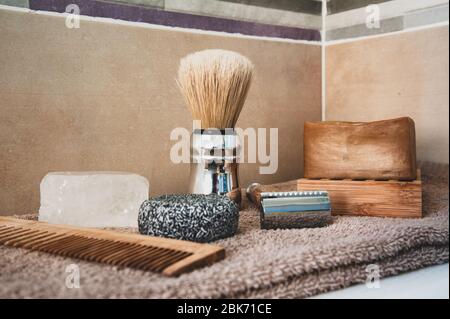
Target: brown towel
[260,263]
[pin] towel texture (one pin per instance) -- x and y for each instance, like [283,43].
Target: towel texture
[290,263]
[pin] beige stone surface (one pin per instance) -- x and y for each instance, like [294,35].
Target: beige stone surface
[403,74]
[104,97]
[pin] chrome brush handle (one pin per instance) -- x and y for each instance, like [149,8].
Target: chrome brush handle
[214,161]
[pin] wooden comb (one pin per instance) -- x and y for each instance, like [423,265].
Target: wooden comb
[169,257]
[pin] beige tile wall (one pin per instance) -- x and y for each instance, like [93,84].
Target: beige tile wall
[103,97]
[403,74]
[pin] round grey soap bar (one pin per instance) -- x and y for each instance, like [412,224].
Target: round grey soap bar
[200,218]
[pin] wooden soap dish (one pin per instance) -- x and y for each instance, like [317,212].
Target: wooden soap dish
[384,198]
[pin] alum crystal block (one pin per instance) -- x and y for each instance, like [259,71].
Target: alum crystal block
[92,199]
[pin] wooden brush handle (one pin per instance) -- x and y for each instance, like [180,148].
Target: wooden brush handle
[254,190]
[254,193]
[235,195]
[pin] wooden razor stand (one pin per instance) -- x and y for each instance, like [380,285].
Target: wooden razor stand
[384,198]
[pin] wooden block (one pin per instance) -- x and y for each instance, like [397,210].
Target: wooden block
[374,150]
[370,197]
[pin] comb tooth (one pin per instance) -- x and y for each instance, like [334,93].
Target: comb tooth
[6,235]
[52,246]
[143,253]
[67,248]
[47,247]
[77,250]
[16,234]
[154,264]
[11,241]
[81,244]
[148,251]
[8,230]
[103,251]
[172,261]
[151,253]
[124,249]
[66,245]
[108,252]
[12,230]
[61,245]
[185,255]
[43,241]
[94,249]
[159,267]
[22,242]
[151,259]
[124,262]
[118,257]
[115,257]
[77,243]
[3,227]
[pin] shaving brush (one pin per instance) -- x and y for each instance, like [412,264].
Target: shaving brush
[215,84]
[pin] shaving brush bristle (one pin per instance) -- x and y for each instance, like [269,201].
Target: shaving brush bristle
[215,84]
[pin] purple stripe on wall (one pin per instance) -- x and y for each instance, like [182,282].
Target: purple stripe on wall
[175,19]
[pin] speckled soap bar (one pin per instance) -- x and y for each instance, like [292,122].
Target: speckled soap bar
[200,218]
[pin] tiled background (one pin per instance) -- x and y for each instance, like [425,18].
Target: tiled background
[16,3]
[104,96]
[294,19]
[347,18]
[403,74]
[291,19]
